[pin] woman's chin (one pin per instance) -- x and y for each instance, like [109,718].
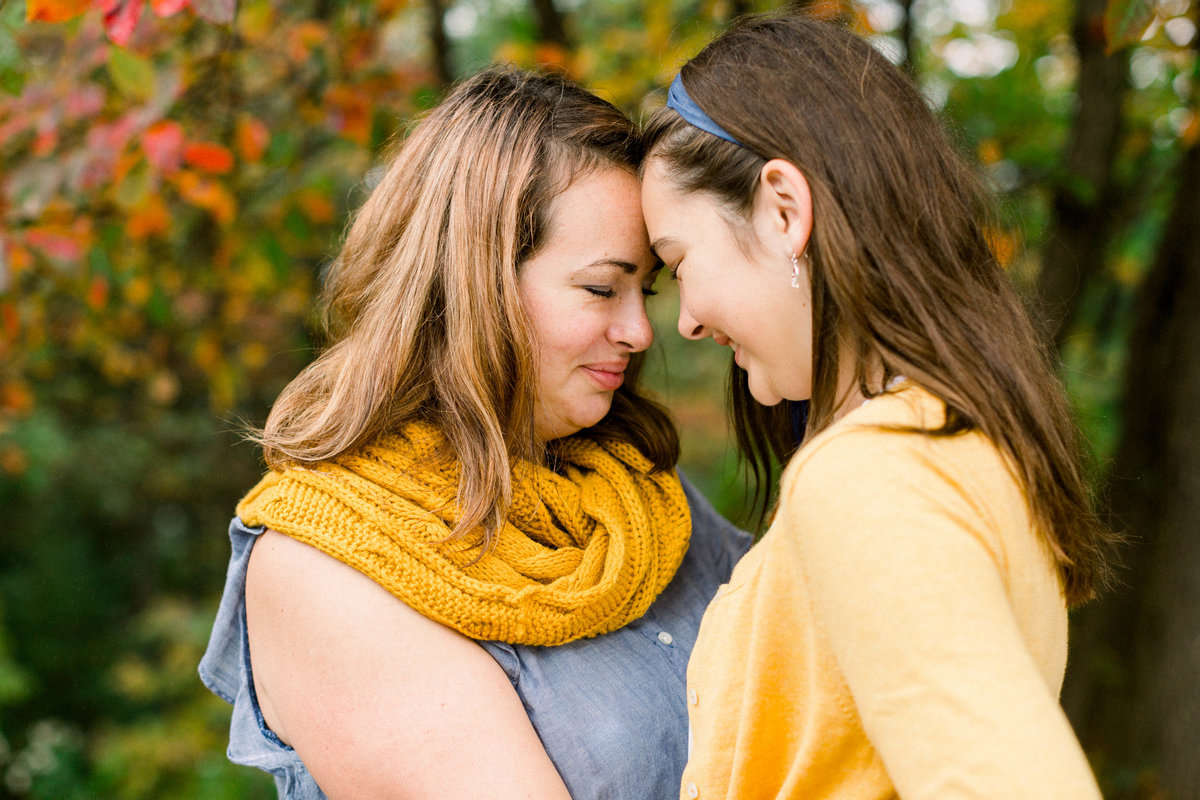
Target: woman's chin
[765,398]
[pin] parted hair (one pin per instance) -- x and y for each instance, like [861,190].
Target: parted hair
[902,274]
[421,308]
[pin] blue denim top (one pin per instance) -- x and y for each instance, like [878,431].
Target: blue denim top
[610,711]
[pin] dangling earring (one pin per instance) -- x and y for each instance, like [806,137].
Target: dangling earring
[796,269]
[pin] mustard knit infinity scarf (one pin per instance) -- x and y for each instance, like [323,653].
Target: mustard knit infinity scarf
[580,554]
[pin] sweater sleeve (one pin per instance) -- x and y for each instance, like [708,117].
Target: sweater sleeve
[906,576]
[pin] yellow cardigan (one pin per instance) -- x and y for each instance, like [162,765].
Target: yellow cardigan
[900,631]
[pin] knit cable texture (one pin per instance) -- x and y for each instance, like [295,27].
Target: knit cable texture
[580,554]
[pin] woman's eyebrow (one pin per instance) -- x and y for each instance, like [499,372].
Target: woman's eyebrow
[627,267]
[660,242]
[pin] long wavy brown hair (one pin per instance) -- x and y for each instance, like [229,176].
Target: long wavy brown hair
[421,307]
[902,272]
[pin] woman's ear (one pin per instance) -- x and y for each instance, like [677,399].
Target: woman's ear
[784,204]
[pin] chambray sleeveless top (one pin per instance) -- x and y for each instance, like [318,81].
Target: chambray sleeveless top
[610,711]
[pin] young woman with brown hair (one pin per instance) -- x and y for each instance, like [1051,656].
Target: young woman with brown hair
[468,572]
[901,629]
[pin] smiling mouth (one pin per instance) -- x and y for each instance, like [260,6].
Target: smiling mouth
[608,376]
[725,341]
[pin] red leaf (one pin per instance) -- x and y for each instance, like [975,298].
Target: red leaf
[208,157]
[55,245]
[163,145]
[85,101]
[167,8]
[54,10]
[121,19]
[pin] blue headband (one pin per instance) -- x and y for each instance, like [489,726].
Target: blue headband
[681,101]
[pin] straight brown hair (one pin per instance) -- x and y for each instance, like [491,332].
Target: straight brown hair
[421,307]
[902,274]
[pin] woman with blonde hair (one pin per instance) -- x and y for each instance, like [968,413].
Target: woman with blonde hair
[473,569]
[901,628]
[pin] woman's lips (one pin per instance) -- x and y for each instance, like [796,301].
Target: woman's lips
[725,341]
[608,376]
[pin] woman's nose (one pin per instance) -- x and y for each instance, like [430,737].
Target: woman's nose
[689,328]
[635,331]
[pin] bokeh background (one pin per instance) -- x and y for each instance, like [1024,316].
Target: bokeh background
[174,175]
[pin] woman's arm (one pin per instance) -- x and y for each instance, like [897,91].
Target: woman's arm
[904,565]
[378,700]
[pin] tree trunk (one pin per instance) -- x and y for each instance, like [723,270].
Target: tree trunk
[1135,699]
[1075,240]
[908,38]
[738,8]
[551,27]
[439,44]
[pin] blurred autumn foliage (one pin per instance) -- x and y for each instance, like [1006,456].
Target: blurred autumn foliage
[171,188]
[174,174]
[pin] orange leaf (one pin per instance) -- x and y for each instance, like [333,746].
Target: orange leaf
[206,193]
[150,219]
[315,206]
[1004,244]
[251,137]
[54,10]
[303,38]
[10,321]
[554,56]
[19,259]
[1191,131]
[97,293]
[208,157]
[349,111]
[989,151]
[45,142]
[13,459]
[16,397]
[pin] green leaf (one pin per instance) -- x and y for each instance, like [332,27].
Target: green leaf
[11,81]
[134,188]
[132,74]
[1126,21]
[12,66]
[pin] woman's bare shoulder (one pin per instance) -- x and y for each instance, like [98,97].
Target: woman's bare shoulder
[377,699]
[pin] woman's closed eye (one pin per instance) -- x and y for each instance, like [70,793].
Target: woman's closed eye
[601,291]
